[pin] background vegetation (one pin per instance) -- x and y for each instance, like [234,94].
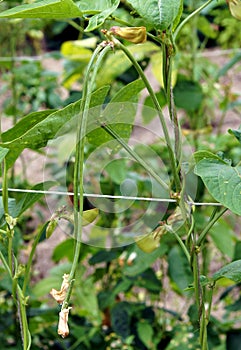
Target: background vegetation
[134,294]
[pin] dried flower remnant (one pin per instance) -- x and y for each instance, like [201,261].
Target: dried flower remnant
[136,35]
[63,328]
[60,295]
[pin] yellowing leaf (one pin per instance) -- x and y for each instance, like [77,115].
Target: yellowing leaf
[75,50]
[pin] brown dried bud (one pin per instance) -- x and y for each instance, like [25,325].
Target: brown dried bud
[136,35]
[60,295]
[63,328]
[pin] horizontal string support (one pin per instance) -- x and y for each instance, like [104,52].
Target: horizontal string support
[93,195]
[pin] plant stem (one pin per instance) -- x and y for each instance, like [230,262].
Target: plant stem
[79,161]
[209,225]
[159,111]
[30,259]
[187,19]
[182,245]
[147,167]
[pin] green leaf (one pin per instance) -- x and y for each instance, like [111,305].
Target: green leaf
[43,287]
[11,207]
[145,333]
[36,129]
[30,198]
[236,133]
[119,116]
[53,9]
[103,256]
[223,182]
[188,95]
[120,319]
[63,250]
[117,62]
[223,237]
[200,155]
[143,260]
[3,153]
[117,170]
[148,280]
[161,14]
[87,299]
[231,271]
[98,19]
[179,269]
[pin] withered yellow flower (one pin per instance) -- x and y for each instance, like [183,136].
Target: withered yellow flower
[63,328]
[136,35]
[59,295]
[235,8]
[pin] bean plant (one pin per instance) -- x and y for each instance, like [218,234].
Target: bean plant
[128,31]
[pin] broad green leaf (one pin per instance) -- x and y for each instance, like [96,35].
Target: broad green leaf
[3,153]
[63,250]
[231,271]
[117,62]
[121,319]
[200,155]
[103,256]
[43,287]
[98,19]
[11,207]
[74,50]
[145,333]
[34,134]
[223,182]
[119,114]
[117,170]
[93,6]
[188,95]
[25,124]
[179,269]
[53,9]
[144,260]
[223,237]
[161,14]
[236,133]
[30,198]
[148,280]
[87,306]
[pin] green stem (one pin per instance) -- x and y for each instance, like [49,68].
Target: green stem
[159,111]
[79,161]
[187,19]
[147,167]
[23,320]
[76,26]
[30,259]
[209,225]
[178,238]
